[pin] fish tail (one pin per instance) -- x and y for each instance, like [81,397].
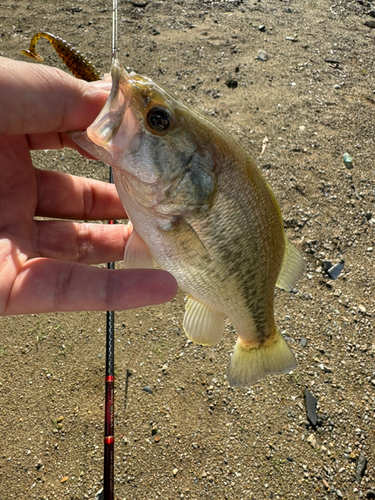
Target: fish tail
[249,364]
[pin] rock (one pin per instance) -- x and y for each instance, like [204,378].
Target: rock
[362,308]
[100,495]
[325,484]
[370,494]
[312,440]
[175,472]
[291,39]
[311,402]
[326,264]
[370,23]
[147,389]
[64,479]
[360,467]
[348,160]
[262,55]
[303,342]
[337,86]
[335,271]
[232,83]
[262,28]
[339,494]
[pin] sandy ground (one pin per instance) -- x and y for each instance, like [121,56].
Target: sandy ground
[297,113]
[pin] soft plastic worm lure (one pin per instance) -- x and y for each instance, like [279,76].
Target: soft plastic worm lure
[76,62]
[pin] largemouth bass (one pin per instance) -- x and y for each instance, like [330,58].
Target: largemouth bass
[201,209]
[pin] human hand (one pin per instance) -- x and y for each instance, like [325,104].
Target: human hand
[44,263]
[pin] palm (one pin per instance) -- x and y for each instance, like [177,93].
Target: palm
[43,263]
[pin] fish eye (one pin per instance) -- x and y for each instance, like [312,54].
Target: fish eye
[159,119]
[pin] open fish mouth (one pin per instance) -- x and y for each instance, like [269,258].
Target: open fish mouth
[115,127]
[108,122]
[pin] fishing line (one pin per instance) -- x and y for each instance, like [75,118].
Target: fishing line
[109,431]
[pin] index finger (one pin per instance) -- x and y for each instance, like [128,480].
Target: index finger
[36,99]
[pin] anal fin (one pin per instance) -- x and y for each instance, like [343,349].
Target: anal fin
[137,255]
[202,323]
[292,269]
[249,364]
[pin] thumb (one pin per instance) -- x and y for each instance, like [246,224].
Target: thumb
[38,99]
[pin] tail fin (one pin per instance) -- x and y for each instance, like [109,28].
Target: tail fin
[249,364]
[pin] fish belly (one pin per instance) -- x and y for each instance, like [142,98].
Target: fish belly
[218,257]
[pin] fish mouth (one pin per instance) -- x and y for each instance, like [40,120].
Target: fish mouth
[105,127]
[115,131]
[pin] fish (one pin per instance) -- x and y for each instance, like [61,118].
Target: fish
[200,209]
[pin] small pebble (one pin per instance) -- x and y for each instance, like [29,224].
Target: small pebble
[360,467]
[348,160]
[370,23]
[100,495]
[326,264]
[337,87]
[175,472]
[303,342]
[335,271]
[262,55]
[311,403]
[312,440]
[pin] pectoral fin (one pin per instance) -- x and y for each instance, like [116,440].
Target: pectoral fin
[292,269]
[249,364]
[202,323]
[137,255]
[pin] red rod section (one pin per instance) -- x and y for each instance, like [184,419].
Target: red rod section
[109,414]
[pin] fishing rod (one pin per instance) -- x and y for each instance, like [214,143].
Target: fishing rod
[109,431]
